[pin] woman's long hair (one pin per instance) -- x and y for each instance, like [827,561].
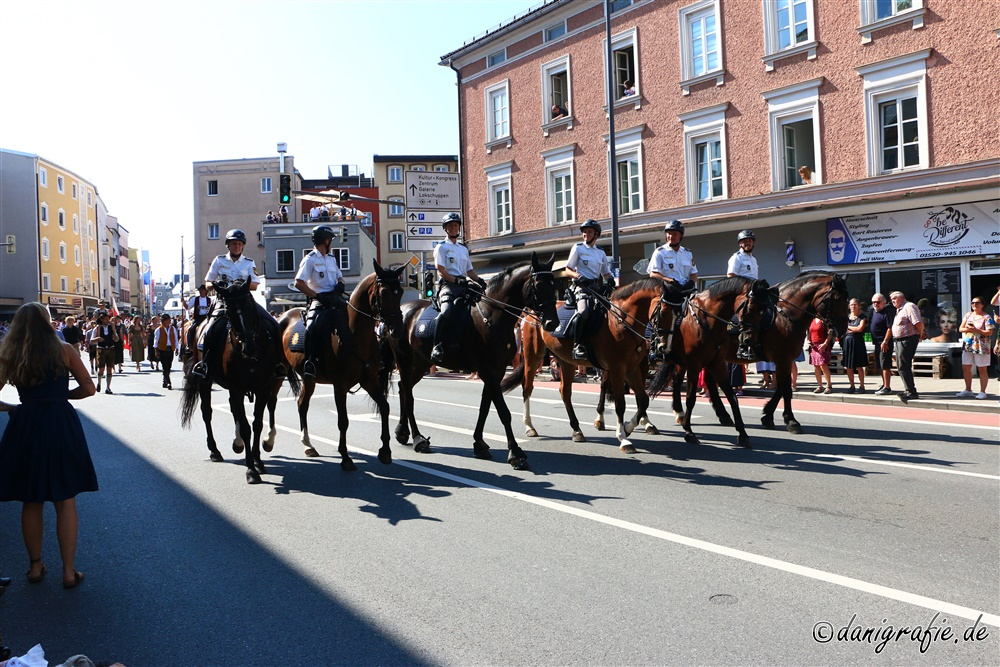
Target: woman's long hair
[31,348]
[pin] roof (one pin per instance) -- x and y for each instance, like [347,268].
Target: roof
[415,158]
[529,14]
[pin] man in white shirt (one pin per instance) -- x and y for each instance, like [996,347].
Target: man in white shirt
[454,267]
[744,265]
[320,279]
[587,264]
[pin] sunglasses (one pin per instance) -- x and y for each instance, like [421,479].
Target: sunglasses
[977,303]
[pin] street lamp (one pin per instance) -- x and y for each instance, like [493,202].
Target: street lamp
[612,182]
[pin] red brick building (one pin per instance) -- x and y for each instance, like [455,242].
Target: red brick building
[890,104]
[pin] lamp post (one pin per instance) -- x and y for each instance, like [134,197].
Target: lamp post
[612,180]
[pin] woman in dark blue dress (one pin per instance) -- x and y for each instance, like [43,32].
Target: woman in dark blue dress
[43,451]
[855,353]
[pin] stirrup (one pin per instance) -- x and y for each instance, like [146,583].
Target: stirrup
[437,354]
[745,353]
[199,371]
[309,369]
[279,371]
[579,351]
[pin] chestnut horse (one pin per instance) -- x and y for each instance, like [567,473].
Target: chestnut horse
[487,346]
[351,357]
[620,347]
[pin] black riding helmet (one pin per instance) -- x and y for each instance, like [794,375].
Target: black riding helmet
[236,235]
[746,234]
[451,217]
[321,233]
[591,224]
[674,226]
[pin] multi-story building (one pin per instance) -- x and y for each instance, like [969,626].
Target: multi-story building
[389,171]
[136,293]
[51,211]
[716,105]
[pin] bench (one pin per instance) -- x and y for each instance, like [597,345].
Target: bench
[931,360]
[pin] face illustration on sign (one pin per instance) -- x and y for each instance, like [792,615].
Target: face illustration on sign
[838,244]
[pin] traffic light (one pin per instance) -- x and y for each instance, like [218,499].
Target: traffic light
[429,284]
[285,189]
[343,235]
[414,281]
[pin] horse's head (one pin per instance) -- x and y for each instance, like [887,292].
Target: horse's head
[385,294]
[540,292]
[832,305]
[241,310]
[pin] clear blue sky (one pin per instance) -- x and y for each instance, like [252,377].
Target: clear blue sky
[129,94]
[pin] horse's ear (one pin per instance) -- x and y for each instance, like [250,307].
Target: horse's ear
[378,267]
[534,259]
[552,259]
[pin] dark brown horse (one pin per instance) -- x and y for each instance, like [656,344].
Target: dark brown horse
[351,357]
[245,363]
[486,346]
[620,347]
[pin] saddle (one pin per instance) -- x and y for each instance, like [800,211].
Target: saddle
[567,325]
[326,322]
[427,322]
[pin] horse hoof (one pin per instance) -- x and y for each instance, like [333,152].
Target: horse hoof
[481,450]
[627,447]
[768,422]
[402,437]
[268,445]
[347,465]
[652,430]
[238,447]
[259,467]
[578,437]
[691,439]
[253,477]
[599,424]
[518,463]
[725,420]
[679,419]
[385,457]
[422,445]
[530,433]
[743,441]
[216,457]
[794,427]
[311,453]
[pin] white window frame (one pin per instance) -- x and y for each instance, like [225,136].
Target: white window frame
[213,182]
[870,23]
[495,137]
[390,177]
[61,218]
[43,177]
[213,231]
[792,104]
[560,28]
[442,168]
[628,147]
[74,189]
[76,254]
[895,78]
[90,200]
[623,40]
[43,213]
[700,126]
[79,286]
[265,185]
[61,185]
[76,224]
[44,244]
[397,241]
[496,58]
[418,167]
[277,260]
[46,282]
[550,69]
[343,256]
[396,210]
[559,163]
[498,178]
[686,15]
[772,51]
[64,284]
[62,252]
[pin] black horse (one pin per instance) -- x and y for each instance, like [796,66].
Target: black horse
[486,345]
[248,354]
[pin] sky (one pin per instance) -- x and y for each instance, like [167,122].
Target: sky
[129,94]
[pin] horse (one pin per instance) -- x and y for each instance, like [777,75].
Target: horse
[795,303]
[487,346]
[619,347]
[244,363]
[351,357]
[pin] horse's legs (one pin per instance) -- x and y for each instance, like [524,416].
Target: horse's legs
[479,446]
[601,397]
[243,431]
[408,419]
[692,398]
[720,373]
[205,391]
[308,387]
[255,467]
[531,358]
[566,373]
[636,379]
[272,403]
[375,388]
[516,457]
[784,388]
[712,386]
[783,376]
[616,383]
[340,395]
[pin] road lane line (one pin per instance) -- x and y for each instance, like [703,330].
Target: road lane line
[375,419]
[702,545]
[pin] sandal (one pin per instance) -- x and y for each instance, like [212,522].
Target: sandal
[77,579]
[41,573]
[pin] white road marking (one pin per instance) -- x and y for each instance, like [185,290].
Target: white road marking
[375,419]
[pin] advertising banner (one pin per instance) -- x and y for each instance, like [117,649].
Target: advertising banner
[929,233]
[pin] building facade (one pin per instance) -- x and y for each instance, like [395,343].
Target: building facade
[716,105]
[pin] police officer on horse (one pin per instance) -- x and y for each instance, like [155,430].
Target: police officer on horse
[744,264]
[320,279]
[231,266]
[672,261]
[587,264]
[454,268]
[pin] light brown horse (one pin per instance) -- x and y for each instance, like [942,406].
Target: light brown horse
[620,347]
[352,357]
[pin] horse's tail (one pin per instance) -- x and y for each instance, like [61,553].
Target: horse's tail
[293,380]
[514,379]
[189,400]
[387,362]
[661,380]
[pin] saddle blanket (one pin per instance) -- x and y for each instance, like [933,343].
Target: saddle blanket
[566,324]
[427,322]
[297,341]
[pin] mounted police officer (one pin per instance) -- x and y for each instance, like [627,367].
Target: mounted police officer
[229,267]
[587,265]
[744,264]
[672,261]
[454,268]
[319,278]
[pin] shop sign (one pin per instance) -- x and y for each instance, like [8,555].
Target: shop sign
[929,233]
[63,301]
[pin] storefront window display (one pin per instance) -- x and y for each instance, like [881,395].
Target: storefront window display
[936,293]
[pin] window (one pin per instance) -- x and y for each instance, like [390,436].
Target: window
[62,219]
[396,210]
[555,32]
[43,177]
[628,168]
[395,174]
[705,153]
[76,224]
[896,113]
[79,286]
[265,185]
[788,30]
[61,185]
[497,114]
[397,241]
[45,248]
[555,91]
[213,188]
[498,182]
[285,260]
[793,113]
[418,167]
[617,5]
[624,55]
[90,200]
[76,254]
[46,282]
[213,231]
[559,197]
[63,284]
[93,259]
[43,213]
[74,191]
[62,252]
[701,50]
[495,59]
[343,256]
[441,167]
[878,14]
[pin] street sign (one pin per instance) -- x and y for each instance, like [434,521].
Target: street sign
[413,261]
[433,190]
[424,231]
[419,244]
[425,219]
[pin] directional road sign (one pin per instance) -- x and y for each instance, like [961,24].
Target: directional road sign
[418,244]
[433,190]
[424,219]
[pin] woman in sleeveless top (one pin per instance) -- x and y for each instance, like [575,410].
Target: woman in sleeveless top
[43,451]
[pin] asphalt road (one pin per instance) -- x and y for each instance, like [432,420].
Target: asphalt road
[884,519]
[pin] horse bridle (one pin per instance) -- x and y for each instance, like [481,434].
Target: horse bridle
[376,303]
[824,305]
[532,295]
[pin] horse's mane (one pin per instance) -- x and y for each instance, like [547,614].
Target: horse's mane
[497,281]
[796,283]
[626,291]
[728,287]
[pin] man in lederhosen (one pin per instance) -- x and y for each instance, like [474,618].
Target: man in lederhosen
[105,338]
